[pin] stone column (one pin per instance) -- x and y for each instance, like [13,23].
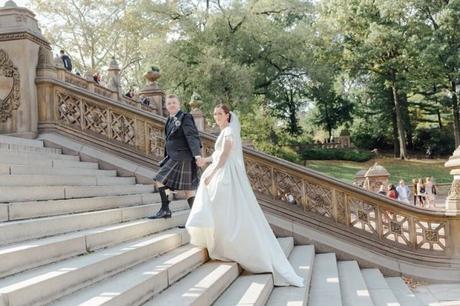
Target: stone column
[453,199]
[376,176]
[114,76]
[195,104]
[153,92]
[20,41]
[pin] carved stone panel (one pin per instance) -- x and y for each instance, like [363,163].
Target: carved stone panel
[363,215]
[288,187]
[156,142]
[431,235]
[69,109]
[9,87]
[319,199]
[259,175]
[396,227]
[123,129]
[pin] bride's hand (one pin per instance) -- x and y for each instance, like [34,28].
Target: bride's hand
[201,162]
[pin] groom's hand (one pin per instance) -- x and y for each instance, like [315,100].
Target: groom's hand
[200,162]
[207,180]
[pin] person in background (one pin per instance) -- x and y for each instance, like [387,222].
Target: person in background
[66,61]
[130,93]
[97,77]
[421,192]
[414,191]
[392,193]
[403,192]
[429,196]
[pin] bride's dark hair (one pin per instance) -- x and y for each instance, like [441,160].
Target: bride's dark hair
[226,110]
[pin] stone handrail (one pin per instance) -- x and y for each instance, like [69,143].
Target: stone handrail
[69,106]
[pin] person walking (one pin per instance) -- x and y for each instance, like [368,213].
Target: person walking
[178,170]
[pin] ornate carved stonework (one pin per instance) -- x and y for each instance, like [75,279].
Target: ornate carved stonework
[9,87]
[454,192]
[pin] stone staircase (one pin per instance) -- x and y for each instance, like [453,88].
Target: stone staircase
[71,234]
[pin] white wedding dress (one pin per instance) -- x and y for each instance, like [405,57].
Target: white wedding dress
[227,219]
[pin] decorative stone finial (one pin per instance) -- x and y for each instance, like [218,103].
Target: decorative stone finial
[195,101]
[10,4]
[114,64]
[151,76]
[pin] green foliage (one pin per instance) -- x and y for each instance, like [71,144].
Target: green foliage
[336,154]
[440,142]
[387,69]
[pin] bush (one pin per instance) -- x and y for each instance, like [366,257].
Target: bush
[440,141]
[337,154]
[281,152]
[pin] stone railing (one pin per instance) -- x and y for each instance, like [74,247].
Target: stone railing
[67,106]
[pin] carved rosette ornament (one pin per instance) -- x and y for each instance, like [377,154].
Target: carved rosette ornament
[9,87]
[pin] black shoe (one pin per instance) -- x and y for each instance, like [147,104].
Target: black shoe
[162,213]
[190,201]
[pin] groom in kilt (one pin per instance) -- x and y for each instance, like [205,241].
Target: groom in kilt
[178,170]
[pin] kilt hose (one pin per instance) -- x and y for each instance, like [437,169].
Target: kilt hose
[179,175]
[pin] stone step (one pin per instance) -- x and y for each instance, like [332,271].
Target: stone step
[378,288]
[21,141]
[64,180]
[19,257]
[32,157]
[287,244]
[201,287]
[5,147]
[136,285]
[42,285]
[428,299]
[39,193]
[49,164]
[402,292]
[325,287]
[247,289]
[40,170]
[302,259]
[35,209]
[16,231]
[353,287]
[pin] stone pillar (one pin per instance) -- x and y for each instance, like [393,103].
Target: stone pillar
[195,104]
[114,76]
[453,199]
[376,176]
[20,42]
[153,92]
[60,69]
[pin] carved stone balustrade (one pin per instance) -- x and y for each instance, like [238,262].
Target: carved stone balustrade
[295,192]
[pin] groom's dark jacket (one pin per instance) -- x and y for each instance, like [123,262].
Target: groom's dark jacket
[182,137]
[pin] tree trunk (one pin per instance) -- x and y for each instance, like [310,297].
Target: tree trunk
[399,119]
[395,133]
[456,115]
[439,118]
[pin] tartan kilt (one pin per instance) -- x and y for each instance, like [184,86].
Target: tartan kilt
[179,175]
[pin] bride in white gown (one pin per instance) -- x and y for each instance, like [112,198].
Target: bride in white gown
[226,217]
